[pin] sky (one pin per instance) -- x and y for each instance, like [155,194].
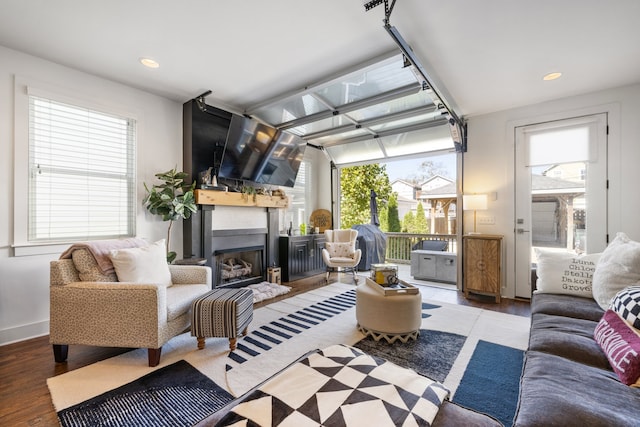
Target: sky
[403,169]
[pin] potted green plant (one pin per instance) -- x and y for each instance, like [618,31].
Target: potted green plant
[172,200]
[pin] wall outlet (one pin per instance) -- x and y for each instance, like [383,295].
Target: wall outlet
[487,220]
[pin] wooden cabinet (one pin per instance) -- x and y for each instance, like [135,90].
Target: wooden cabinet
[434,265]
[482,265]
[301,256]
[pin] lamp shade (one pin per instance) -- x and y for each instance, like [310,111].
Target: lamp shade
[473,202]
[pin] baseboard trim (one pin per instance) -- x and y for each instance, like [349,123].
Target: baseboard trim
[24,332]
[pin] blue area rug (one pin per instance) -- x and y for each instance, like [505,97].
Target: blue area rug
[491,382]
[176,395]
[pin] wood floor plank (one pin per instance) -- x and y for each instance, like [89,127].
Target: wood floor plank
[25,366]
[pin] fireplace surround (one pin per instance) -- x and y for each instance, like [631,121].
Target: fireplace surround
[222,232]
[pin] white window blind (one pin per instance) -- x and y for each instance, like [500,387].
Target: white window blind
[81,173]
[561,145]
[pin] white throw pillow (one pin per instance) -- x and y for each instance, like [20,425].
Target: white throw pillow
[618,267]
[147,264]
[565,273]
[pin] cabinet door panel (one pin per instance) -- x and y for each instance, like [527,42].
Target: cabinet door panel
[482,257]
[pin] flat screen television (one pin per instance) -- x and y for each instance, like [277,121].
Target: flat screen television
[260,153]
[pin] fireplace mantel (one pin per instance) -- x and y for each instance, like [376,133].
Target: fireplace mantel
[223,198]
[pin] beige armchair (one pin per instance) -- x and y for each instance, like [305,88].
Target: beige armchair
[340,252]
[101,311]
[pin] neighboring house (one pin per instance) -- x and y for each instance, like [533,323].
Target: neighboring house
[405,206]
[436,181]
[439,202]
[575,172]
[557,211]
[404,189]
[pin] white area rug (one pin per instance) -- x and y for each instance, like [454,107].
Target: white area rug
[84,383]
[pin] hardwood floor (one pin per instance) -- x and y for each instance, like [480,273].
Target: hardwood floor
[25,366]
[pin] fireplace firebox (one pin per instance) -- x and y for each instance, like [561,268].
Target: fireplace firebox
[237,267]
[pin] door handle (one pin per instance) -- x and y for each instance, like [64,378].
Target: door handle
[521,231]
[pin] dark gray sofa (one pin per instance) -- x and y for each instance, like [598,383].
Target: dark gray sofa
[567,379]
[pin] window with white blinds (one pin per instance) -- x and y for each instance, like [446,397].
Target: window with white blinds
[81,173]
[299,198]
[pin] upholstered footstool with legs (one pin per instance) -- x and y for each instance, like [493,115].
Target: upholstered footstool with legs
[392,317]
[222,313]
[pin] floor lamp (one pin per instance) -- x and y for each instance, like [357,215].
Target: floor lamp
[474,202]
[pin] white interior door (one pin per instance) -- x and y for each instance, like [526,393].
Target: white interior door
[560,190]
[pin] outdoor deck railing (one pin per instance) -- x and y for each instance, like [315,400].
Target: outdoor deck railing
[399,245]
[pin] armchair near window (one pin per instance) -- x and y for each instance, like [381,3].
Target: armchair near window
[91,308]
[340,251]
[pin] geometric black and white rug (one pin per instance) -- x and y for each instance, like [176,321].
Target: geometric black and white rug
[339,386]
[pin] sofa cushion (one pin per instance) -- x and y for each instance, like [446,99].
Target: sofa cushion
[180,297]
[567,337]
[627,304]
[565,273]
[146,264]
[562,392]
[566,305]
[88,269]
[618,267]
[621,343]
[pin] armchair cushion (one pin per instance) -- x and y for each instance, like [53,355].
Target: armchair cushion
[340,249]
[147,264]
[180,297]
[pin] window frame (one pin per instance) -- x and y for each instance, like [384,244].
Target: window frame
[23,88]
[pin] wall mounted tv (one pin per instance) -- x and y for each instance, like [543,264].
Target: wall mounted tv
[260,153]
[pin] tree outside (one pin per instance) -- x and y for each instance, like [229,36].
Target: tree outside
[356,183]
[415,223]
[428,168]
[420,224]
[393,219]
[408,221]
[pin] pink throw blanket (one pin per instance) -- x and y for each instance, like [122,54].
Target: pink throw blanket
[100,250]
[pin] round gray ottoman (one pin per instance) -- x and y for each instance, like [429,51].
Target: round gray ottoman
[392,317]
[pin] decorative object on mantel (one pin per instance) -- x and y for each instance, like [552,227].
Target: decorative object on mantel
[209,181]
[321,219]
[248,190]
[172,200]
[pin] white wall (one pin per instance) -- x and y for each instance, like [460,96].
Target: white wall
[24,281]
[488,163]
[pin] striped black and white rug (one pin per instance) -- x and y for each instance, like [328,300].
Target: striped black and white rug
[173,396]
[278,332]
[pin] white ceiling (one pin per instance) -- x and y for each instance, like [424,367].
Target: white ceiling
[483,56]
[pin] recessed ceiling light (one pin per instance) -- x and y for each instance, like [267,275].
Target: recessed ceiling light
[148,62]
[552,76]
